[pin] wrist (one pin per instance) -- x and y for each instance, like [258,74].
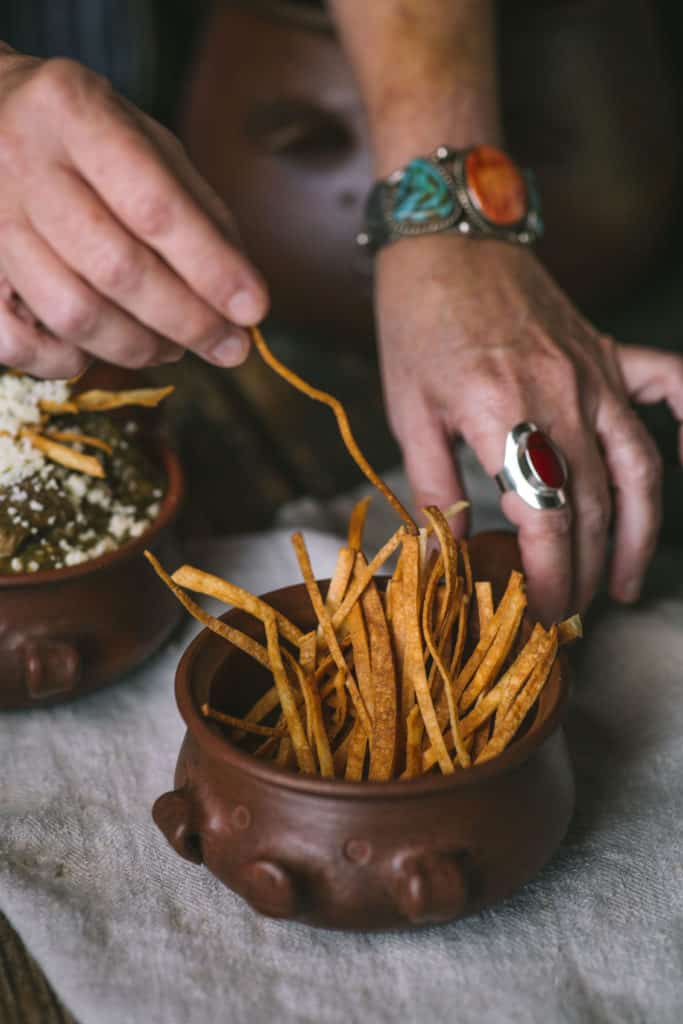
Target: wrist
[411,126]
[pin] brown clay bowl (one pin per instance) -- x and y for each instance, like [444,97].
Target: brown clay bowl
[361,855]
[65,632]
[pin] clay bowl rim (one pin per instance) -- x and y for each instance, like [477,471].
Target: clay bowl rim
[170,505]
[208,737]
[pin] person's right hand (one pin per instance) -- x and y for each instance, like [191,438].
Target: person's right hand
[108,235]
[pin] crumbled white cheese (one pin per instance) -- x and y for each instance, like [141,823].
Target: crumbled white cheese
[20,399]
[77,484]
[18,461]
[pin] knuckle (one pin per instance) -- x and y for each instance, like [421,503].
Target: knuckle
[594,515]
[120,270]
[646,469]
[152,214]
[64,83]
[77,317]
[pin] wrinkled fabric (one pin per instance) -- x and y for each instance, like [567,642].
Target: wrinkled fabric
[126,931]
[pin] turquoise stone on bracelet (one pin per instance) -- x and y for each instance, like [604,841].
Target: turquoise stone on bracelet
[422,194]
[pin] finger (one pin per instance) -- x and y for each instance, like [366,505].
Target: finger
[589,495]
[653,376]
[145,195]
[544,536]
[79,228]
[634,465]
[545,545]
[430,466]
[23,346]
[70,309]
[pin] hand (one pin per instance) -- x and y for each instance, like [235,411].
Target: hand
[476,337]
[108,235]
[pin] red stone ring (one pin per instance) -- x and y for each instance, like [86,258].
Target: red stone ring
[534,468]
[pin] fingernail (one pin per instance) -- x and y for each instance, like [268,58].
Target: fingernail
[245,308]
[231,351]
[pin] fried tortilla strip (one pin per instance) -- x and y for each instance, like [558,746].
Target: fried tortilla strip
[73,437]
[342,421]
[487,673]
[432,647]
[480,739]
[308,654]
[398,639]
[328,629]
[506,729]
[241,723]
[358,743]
[314,714]
[339,583]
[468,567]
[266,748]
[486,639]
[105,401]
[63,455]
[341,755]
[357,523]
[484,603]
[214,586]
[512,681]
[304,754]
[569,630]
[360,582]
[263,706]
[286,755]
[383,739]
[506,688]
[414,732]
[414,664]
[238,639]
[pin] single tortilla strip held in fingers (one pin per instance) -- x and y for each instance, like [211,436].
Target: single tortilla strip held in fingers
[342,421]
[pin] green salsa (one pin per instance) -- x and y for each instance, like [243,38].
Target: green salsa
[57,517]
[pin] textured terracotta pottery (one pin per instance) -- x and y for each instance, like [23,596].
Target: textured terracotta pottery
[361,855]
[66,632]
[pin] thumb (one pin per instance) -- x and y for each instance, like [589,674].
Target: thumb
[431,468]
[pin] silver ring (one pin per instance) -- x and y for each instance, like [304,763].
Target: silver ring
[534,468]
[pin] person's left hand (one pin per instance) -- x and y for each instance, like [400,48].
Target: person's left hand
[475,337]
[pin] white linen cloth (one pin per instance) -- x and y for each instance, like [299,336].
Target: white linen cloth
[128,933]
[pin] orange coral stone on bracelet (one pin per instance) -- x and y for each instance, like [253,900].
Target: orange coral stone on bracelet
[496,185]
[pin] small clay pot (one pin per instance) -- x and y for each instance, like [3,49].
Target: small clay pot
[363,855]
[65,632]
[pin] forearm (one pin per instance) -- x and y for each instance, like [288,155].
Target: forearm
[426,71]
